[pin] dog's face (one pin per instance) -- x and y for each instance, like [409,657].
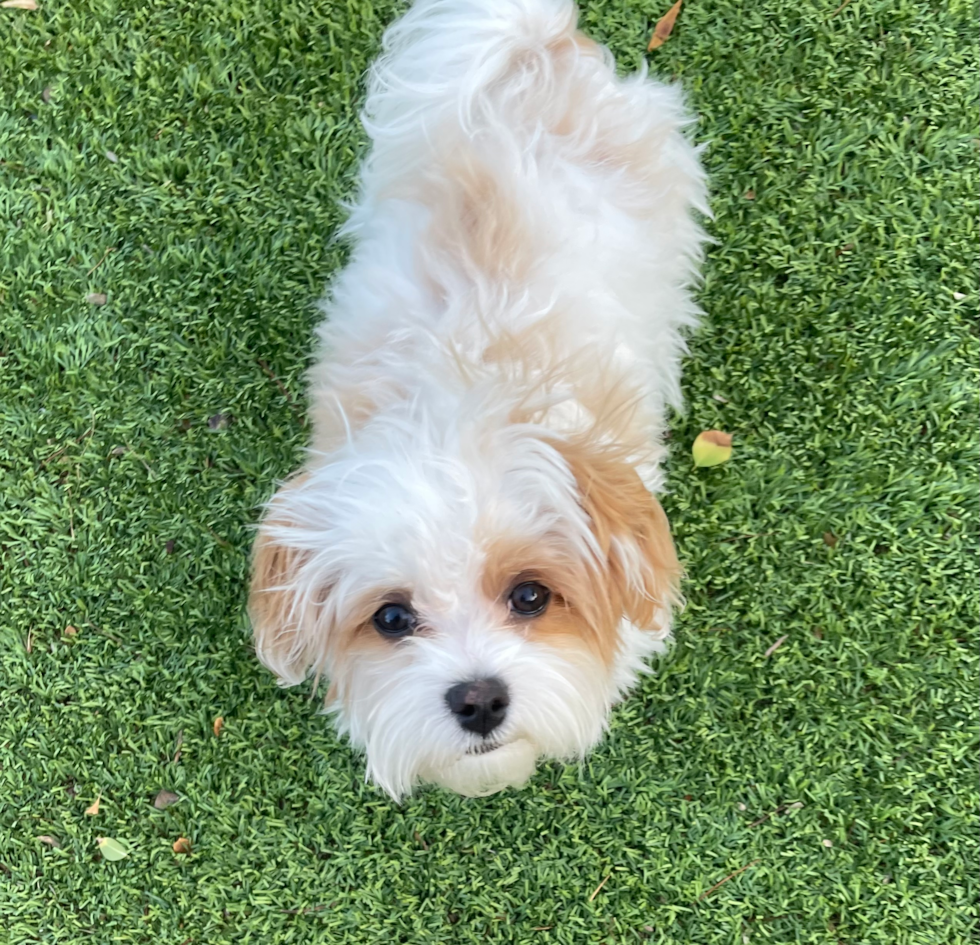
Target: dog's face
[475,605]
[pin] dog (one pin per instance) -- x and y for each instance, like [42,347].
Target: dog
[472,553]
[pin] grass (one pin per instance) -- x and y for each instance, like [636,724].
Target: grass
[186,161]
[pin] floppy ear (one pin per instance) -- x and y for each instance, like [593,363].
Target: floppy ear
[282,622]
[631,530]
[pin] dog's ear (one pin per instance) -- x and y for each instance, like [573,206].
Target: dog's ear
[631,531]
[283,622]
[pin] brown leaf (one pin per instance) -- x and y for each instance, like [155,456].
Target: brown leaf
[93,808]
[50,841]
[96,298]
[70,631]
[169,546]
[182,845]
[219,724]
[164,799]
[19,4]
[749,194]
[776,646]
[830,539]
[665,25]
[717,437]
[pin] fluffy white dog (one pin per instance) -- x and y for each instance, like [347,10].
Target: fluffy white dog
[472,552]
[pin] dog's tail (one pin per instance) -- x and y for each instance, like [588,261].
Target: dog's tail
[465,61]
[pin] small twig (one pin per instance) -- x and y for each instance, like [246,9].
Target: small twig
[60,450]
[730,876]
[772,813]
[271,375]
[746,535]
[29,644]
[111,249]
[841,7]
[282,387]
[306,911]
[776,646]
[180,741]
[221,541]
[105,633]
[595,892]
[542,928]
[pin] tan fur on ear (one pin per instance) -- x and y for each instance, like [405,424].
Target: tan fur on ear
[276,624]
[632,531]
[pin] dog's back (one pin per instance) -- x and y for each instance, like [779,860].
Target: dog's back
[519,199]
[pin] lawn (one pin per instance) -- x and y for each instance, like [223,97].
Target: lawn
[181,164]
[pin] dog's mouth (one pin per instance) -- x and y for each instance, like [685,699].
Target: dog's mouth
[483,749]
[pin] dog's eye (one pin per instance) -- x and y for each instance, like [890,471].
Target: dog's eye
[529,599]
[395,620]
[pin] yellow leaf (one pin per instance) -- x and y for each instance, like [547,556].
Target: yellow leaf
[712,448]
[93,809]
[664,27]
[112,849]
[19,4]
[182,845]
[219,724]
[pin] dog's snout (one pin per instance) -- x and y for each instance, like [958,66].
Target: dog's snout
[479,705]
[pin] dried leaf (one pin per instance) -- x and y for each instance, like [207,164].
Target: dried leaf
[96,298]
[112,156]
[19,4]
[749,194]
[70,631]
[219,724]
[827,843]
[664,27]
[830,539]
[182,845]
[50,841]
[112,850]
[169,546]
[959,296]
[164,799]
[712,448]
[776,646]
[46,94]
[93,809]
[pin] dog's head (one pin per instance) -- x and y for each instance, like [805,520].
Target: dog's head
[476,604]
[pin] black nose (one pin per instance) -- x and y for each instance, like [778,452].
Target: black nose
[479,705]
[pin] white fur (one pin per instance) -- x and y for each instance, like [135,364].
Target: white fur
[403,498]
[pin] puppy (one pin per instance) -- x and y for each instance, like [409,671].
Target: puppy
[472,553]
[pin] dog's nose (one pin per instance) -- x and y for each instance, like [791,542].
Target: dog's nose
[479,704]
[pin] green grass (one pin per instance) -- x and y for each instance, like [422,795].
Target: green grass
[841,335]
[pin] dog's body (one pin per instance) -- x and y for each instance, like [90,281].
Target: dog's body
[472,553]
